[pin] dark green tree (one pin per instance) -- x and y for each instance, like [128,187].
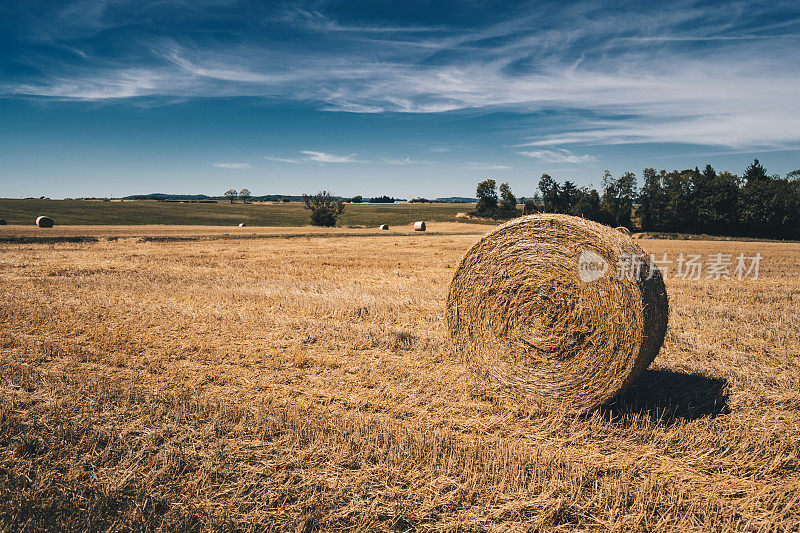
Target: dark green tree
[755,172]
[551,194]
[618,196]
[723,204]
[508,202]
[382,200]
[703,207]
[325,209]
[651,200]
[487,198]
[568,197]
[678,207]
[587,204]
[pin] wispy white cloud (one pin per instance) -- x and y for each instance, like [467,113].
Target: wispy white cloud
[319,21]
[222,73]
[405,161]
[282,159]
[485,166]
[236,166]
[323,157]
[558,156]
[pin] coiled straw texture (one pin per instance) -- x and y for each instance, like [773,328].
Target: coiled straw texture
[546,309]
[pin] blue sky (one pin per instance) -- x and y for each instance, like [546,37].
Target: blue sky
[114,97]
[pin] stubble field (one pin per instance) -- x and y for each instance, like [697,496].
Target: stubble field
[307,384]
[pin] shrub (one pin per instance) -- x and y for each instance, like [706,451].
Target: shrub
[325,209]
[382,200]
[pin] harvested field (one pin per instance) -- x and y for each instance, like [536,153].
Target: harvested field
[191,232]
[139,212]
[308,384]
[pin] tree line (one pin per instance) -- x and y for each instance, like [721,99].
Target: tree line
[691,201]
[755,204]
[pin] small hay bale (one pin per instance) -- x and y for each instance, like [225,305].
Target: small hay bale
[44,222]
[384,226]
[242,225]
[537,311]
[419,226]
[623,230]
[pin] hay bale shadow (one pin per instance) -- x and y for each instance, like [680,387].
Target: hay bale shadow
[667,396]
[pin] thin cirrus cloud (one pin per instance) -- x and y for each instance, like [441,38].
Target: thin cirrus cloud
[323,157]
[485,166]
[687,72]
[234,166]
[404,161]
[557,156]
[282,159]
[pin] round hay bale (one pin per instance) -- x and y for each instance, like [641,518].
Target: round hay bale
[44,222]
[384,226]
[623,230]
[242,225]
[538,311]
[419,226]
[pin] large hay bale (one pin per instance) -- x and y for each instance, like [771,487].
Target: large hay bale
[384,226]
[419,226]
[44,222]
[537,309]
[623,230]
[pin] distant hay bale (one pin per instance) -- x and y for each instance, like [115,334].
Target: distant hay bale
[419,226]
[537,310]
[242,225]
[623,230]
[461,215]
[384,226]
[44,222]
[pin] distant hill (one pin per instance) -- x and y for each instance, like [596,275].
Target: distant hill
[169,197]
[163,197]
[456,200]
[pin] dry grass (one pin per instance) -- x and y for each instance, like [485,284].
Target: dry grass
[163,230]
[307,384]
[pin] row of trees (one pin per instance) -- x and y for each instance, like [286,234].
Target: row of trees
[692,201]
[722,203]
[613,207]
[490,205]
[243,195]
